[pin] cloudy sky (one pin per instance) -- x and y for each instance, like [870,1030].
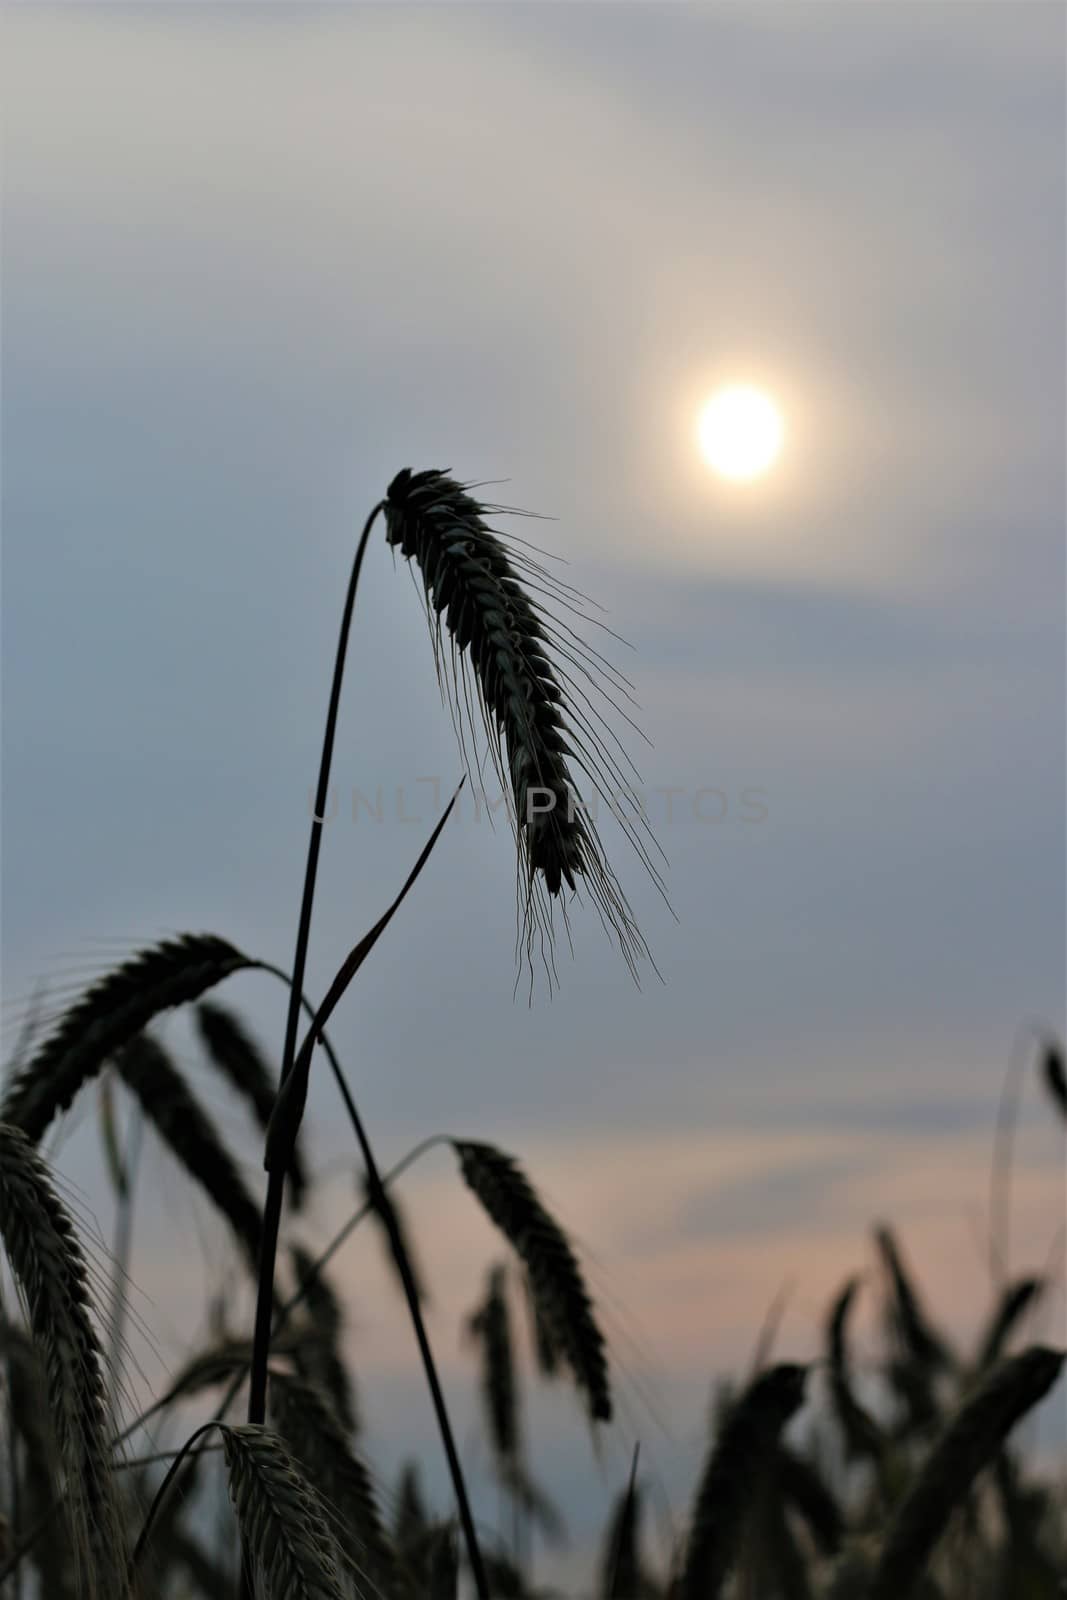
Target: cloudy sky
[255,260]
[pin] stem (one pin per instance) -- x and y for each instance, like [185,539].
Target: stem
[257,1398]
[272,1211]
[380,1200]
[161,1493]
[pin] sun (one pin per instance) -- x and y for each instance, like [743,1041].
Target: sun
[740,432]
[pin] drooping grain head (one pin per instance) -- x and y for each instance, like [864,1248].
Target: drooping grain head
[149,1072]
[490,1327]
[499,648]
[556,1281]
[110,1013]
[49,1268]
[283,1522]
[968,1442]
[318,1443]
[742,1457]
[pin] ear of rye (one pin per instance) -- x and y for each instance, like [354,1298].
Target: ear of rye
[535,687]
[110,1013]
[323,1452]
[185,1127]
[282,1521]
[556,1282]
[742,1456]
[50,1272]
[968,1442]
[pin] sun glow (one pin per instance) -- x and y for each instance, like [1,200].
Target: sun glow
[740,432]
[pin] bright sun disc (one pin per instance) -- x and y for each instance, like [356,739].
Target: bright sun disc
[740,433]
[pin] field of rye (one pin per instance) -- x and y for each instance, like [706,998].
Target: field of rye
[919,1487]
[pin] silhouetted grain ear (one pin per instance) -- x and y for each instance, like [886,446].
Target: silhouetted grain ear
[490,1327]
[913,1327]
[1055,1075]
[219,1361]
[969,1441]
[742,1455]
[318,1357]
[1016,1300]
[50,1273]
[545,1353]
[555,1278]
[187,1130]
[33,1437]
[622,1577]
[283,1522]
[508,655]
[113,1011]
[861,1433]
[235,1054]
[321,1449]
[443,1565]
[411,1521]
[919,1355]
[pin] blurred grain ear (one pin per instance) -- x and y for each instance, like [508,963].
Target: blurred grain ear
[50,1272]
[968,1442]
[556,1282]
[741,1458]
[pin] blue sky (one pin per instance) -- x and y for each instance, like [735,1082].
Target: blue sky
[256,259]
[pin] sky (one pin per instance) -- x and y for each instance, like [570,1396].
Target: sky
[255,259]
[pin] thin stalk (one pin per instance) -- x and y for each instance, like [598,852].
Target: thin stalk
[272,1210]
[161,1493]
[380,1200]
[257,1398]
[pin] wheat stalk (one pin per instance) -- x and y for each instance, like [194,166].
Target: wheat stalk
[508,656]
[111,1013]
[741,1456]
[283,1523]
[969,1441]
[49,1268]
[389,1215]
[556,1282]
